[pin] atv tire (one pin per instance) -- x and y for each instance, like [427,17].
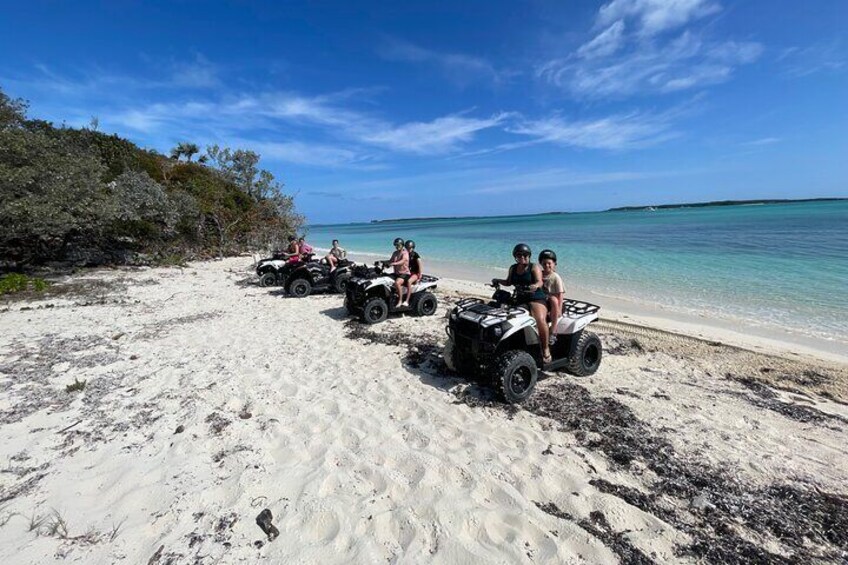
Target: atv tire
[340,284]
[268,279]
[448,355]
[300,288]
[458,363]
[586,356]
[515,376]
[424,304]
[376,310]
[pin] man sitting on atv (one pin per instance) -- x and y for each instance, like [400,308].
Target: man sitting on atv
[400,262]
[415,268]
[528,276]
[554,287]
[336,254]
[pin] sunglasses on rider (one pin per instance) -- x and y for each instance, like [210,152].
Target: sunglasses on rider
[517,255]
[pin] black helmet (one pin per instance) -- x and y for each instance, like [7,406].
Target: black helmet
[398,240]
[409,244]
[547,254]
[521,249]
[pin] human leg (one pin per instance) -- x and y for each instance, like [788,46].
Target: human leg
[540,314]
[399,288]
[409,283]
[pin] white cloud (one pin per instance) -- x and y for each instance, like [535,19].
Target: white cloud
[460,68]
[640,48]
[551,179]
[655,16]
[762,141]
[234,116]
[605,43]
[441,135]
[312,154]
[682,63]
[199,73]
[821,57]
[623,131]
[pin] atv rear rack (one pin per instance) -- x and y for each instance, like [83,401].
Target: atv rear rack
[577,308]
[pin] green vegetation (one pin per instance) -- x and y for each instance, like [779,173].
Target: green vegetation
[81,197]
[16,282]
[75,386]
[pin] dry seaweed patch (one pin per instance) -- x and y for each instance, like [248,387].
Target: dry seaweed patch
[597,525]
[826,379]
[29,368]
[763,396]
[721,514]
[728,520]
[161,328]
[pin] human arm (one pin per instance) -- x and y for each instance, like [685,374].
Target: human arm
[504,282]
[537,276]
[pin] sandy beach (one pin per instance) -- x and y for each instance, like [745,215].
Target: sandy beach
[207,400]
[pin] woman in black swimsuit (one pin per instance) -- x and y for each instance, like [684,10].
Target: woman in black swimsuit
[415,267]
[527,275]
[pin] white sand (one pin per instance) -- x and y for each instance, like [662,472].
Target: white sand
[361,458]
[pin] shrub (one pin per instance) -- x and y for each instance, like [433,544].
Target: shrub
[75,386]
[16,282]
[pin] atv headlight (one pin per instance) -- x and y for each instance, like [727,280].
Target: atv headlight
[494,333]
[452,315]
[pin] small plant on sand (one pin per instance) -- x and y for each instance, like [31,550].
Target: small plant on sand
[35,522]
[116,529]
[16,282]
[5,515]
[75,386]
[57,526]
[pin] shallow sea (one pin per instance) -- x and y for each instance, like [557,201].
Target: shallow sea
[780,265]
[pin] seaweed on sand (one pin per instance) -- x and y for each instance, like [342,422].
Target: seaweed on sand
[728,520]
[597,525]
[721,514]
[764,397]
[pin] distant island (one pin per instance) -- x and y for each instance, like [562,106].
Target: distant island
[622,209]
[721,203]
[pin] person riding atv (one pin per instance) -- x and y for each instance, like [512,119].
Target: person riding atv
[500,342]
[528,276]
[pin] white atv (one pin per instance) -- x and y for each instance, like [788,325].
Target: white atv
[500,342]
[371,295]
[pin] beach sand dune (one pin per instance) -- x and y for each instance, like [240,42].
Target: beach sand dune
[208,399]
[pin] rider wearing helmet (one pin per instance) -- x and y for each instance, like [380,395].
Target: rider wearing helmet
[415,268]
[529,276]
[554,287]
[400,262]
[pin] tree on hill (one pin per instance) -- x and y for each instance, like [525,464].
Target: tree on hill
[83,196]
[185,149]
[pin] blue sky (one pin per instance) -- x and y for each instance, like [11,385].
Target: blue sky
[372,110]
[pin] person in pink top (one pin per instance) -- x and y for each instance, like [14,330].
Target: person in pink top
[400,262]
[305,248]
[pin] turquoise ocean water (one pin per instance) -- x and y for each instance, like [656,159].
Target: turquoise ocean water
[780,265]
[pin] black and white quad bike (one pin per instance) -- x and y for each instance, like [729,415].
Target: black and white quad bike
[499,342]
[371,295]
[315,276]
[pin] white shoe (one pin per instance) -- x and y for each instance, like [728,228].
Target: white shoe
[405,304]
